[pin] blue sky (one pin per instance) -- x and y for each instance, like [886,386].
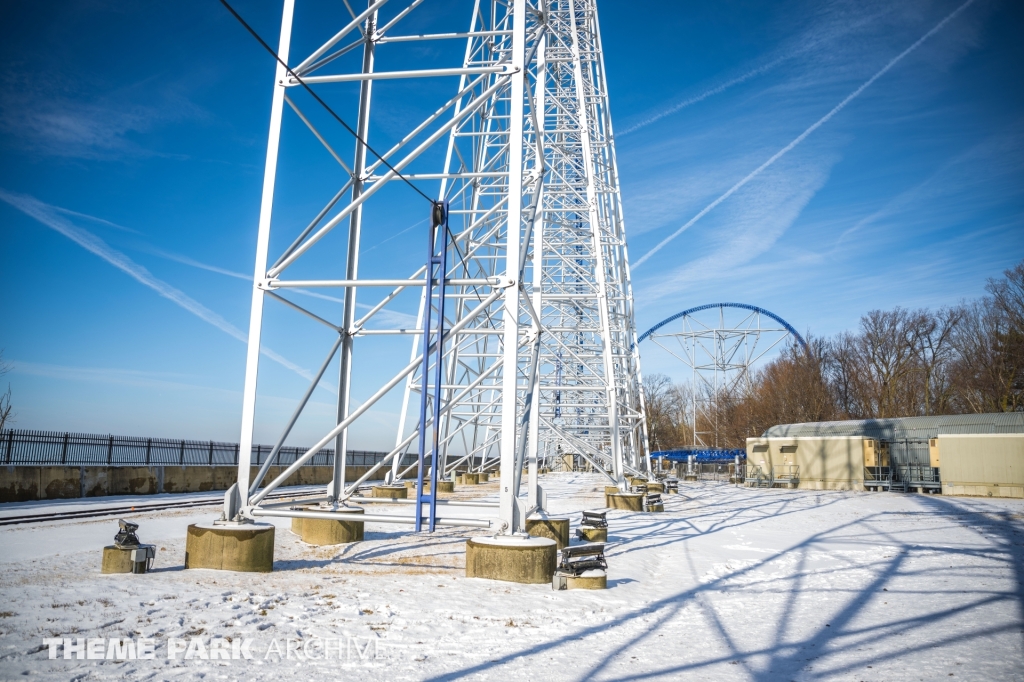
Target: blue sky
[132,139]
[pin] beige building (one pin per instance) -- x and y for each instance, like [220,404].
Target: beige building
[981,454]
[988,465]
[820,463]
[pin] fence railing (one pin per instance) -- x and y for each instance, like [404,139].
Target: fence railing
[60,448]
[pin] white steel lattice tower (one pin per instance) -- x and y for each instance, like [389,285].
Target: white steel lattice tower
[535,349]
[720,343]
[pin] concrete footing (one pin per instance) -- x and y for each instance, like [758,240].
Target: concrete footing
[556,529]
[593,534]
[511,558]
[297,526]
[322,532]
[469,479]
[484,477]
[116,560]
[609,490]
[246,547]
[628,501]
[655,487]
[442,487]
[394,492]
[588,580]
[656,507]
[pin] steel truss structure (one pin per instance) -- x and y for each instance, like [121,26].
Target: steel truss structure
[526,345]
[719,353]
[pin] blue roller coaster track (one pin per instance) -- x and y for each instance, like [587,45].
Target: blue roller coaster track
[709,306]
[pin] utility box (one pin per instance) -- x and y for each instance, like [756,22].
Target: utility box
[933,452]
[876,454]
[871,453]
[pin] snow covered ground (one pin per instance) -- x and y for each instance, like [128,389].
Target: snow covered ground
[728,584]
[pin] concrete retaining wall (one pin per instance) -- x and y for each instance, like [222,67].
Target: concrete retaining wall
[26,483]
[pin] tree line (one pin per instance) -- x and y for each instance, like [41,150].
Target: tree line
[962,359]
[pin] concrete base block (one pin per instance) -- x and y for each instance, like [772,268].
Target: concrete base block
[655,487]
[588,580]
[322,532]
[511,558]
[593,534]
[470,479]
[409,484]
[116,560]
[484,477]
[394,492]
[627,501]
[248,547]
[297,526]
[609,490]
[655,507]
[442,487]
[556,529]
[637,480]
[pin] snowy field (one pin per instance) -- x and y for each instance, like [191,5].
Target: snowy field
[728,584]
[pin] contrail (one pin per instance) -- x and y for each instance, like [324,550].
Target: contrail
[821,121]
[46,215]
[192,262]
[101,221]
[702,96]
[185,260]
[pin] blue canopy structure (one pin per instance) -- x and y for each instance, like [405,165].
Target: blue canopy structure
[701,455]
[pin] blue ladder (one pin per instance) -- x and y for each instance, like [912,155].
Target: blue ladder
[437,266]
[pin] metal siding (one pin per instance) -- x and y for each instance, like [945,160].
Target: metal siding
[990,460]
[906,427]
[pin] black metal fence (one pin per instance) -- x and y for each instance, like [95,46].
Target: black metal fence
[58,448]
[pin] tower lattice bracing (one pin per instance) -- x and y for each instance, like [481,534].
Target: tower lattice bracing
[526,346]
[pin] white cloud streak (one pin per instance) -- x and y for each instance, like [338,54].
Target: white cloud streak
[804,135]
[185,260]
[387,318]
[101,221]
[757,224]
[49,216]
[654,118]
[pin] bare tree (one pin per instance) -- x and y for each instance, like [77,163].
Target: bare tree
[658,403]
[794,387]
[5,398]
[936,354]
[1008,300]
[988,370]
[883,375]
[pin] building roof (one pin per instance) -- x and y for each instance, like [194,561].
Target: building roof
[906,427]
